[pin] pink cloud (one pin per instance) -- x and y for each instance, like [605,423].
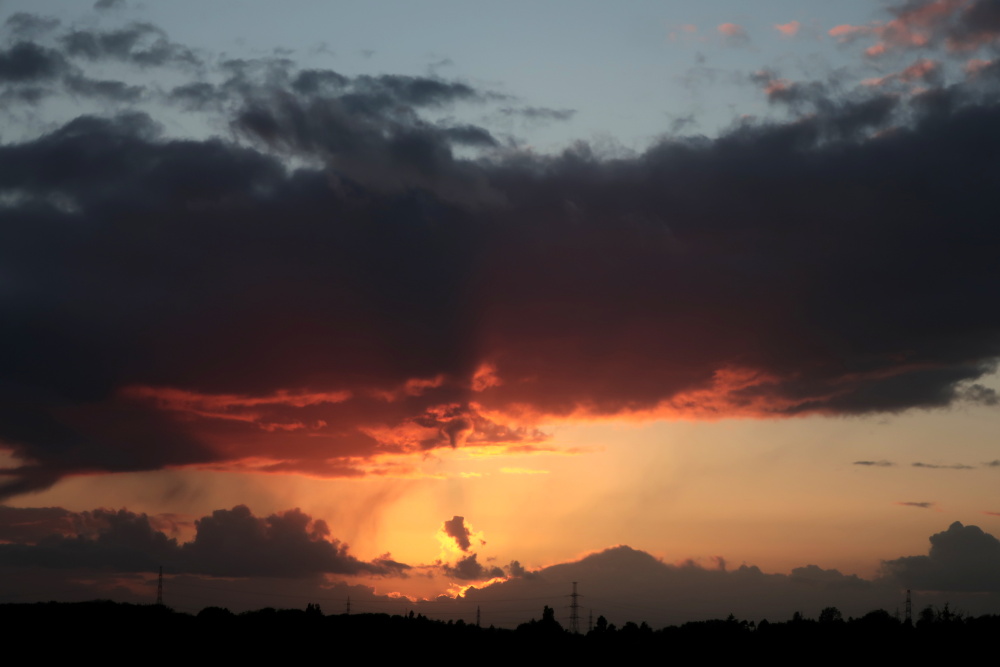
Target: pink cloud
[875,51]
[732,30]
[789,29]
[976,65]
[961,25]
[921,69]
[848,33]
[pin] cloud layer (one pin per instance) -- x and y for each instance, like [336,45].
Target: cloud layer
[228,543]
[338,281]
[79,555]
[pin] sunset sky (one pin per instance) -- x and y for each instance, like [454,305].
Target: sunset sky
[694,305]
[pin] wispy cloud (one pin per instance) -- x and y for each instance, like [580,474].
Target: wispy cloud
[789,29]
[940,466]
[733,34]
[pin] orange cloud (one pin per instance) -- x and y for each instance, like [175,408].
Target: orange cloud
[919,70]
[731,30]
[961,25]
[848,33]
[976,65]
[789,29]
[922,70]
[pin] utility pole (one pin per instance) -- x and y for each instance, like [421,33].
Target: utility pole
[348,605]
[574,612]
[477,617]
[159,588]
[590,622]
[909,609]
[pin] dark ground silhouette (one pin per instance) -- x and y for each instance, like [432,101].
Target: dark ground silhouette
[108,628]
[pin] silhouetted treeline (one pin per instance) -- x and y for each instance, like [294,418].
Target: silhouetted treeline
[110,628]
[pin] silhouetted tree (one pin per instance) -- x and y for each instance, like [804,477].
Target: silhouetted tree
[602,624]
[831,615]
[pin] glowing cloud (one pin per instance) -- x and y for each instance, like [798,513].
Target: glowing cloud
[789,29]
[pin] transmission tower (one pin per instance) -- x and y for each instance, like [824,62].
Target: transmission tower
[574,612]
[348,605]
[159,588]
[477,617]
[590,622]
[909,609]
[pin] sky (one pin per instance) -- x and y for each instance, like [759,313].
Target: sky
[441,305]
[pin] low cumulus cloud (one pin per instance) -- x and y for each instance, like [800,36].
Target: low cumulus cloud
[627,584]
[227,543]
[882,463]
[624,584]
[961,559]
[80,555]
[459,559]
[470,569]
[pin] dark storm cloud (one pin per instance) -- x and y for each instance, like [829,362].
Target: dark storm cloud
[625,584]
[312,81]
[539,113]
[104,5]
[336,275]
[469,135]
[879,464]
[962,558]
[470,569]
[236,543]
[977,393]
[29,26]
[141,44]
[228,543]
[414,91]
[515,569]
[920,505]
[458,531]
[30,524]
[115,91]
[26,62]
[197,96]
[124,542]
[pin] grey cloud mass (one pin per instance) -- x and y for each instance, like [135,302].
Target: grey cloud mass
[227,543]
[456,529]
[962,558]
[338,240]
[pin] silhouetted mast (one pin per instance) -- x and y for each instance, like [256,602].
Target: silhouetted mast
[574,612]
[159,588]
[477,616]
[348,605]
[909,609]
